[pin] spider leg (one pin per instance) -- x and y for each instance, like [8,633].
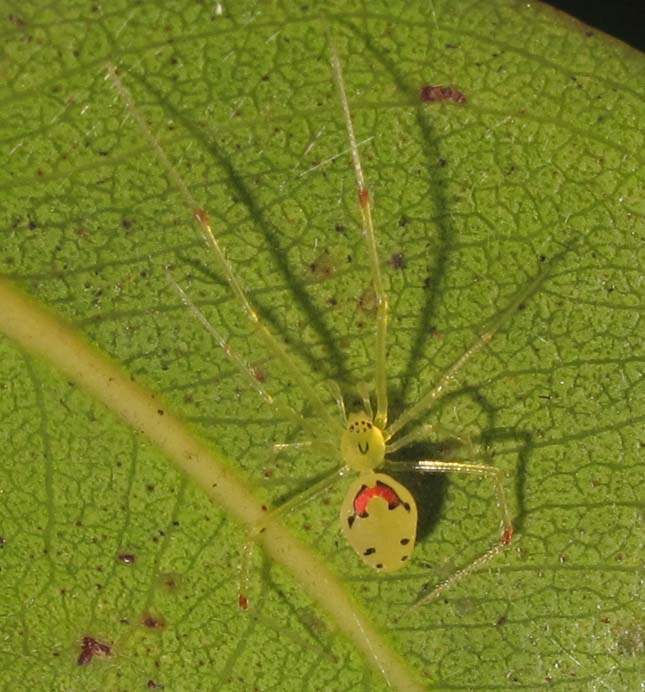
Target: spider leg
[423,432]
[427,399]
[273,344]
[255,532]
[365,201]
[483,470]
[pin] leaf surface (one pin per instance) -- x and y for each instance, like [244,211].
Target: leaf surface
[538,173]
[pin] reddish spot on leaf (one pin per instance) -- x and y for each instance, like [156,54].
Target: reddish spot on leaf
[127,558]
[152,622]
[243,601]
[431,92]
[91,647]
[507,536]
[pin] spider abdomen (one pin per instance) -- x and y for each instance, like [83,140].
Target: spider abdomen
[379,519]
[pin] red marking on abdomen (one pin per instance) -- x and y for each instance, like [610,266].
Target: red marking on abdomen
[363,497]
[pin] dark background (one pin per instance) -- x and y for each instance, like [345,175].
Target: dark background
[624,19]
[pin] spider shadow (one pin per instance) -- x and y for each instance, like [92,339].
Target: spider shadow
[430,489]
[334,363]
[441,222]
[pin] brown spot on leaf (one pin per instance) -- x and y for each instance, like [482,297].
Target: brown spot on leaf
[90,648]
[323,267]
[430,93]
[367,301]
[153,622]
[170,581]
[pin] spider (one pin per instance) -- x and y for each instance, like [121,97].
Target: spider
[379,514]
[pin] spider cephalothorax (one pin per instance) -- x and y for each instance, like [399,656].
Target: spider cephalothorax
[362,445]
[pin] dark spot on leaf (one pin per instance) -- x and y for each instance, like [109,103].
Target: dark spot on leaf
[91,647]
[323,267]
[501,620]
[367,301]
[398,261]
[170,581]
[127,558]
[430,93]
[152,622]
[341,229]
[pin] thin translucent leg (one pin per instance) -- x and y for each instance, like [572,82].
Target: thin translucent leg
[258,529]
[364,392]
[289,446]
[272,343]
[491,472]
[340,402]
[426,400]
[423,432]
[326,447]
[364,198]
[238,361]
[476,564]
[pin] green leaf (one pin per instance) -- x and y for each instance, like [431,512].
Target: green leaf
[539,173]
